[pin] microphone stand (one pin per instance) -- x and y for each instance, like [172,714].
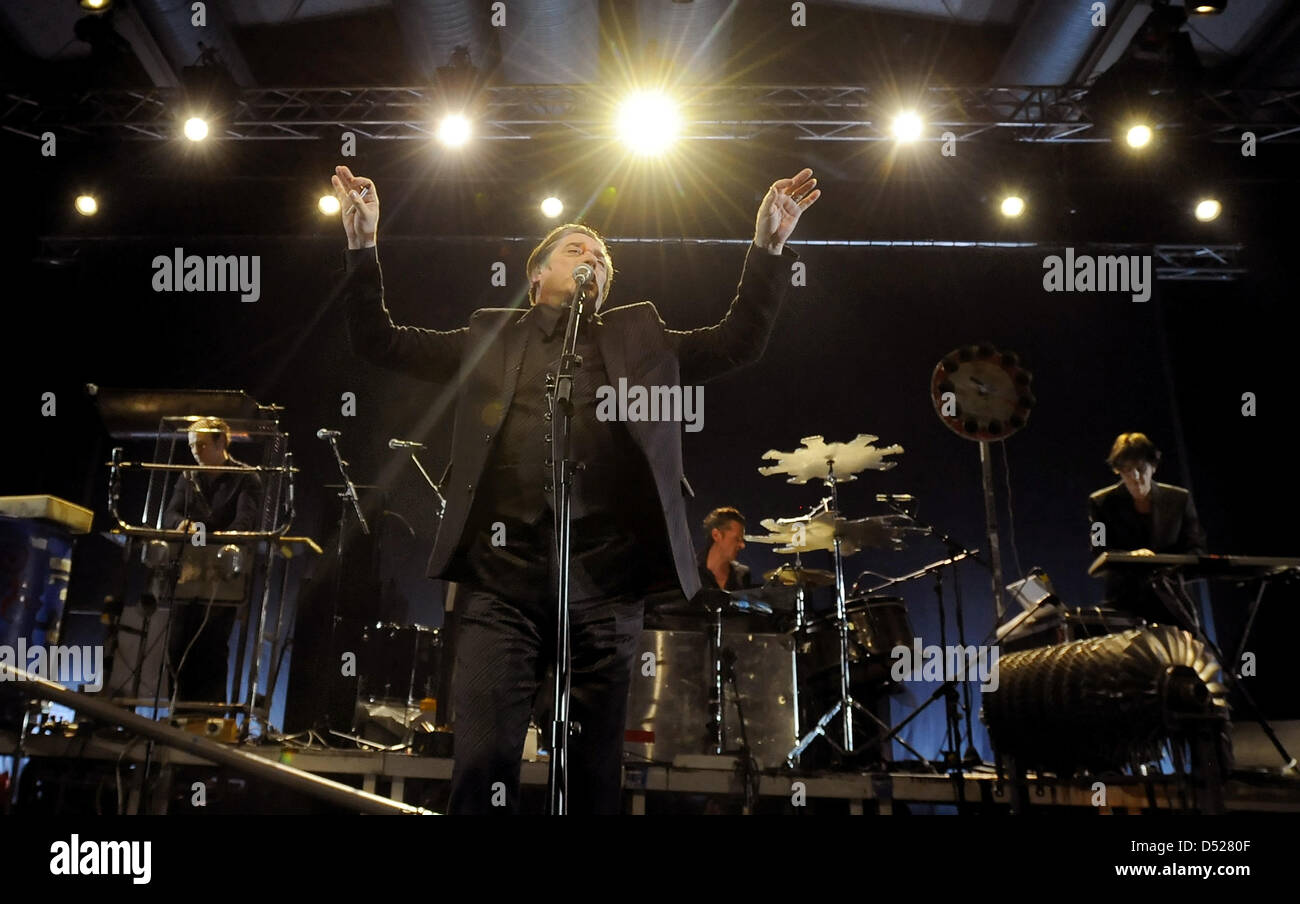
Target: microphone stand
[437,491]
[559,394]
[346,496]
[349,493]
[952,758]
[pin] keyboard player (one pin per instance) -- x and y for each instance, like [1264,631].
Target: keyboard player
[200,634]
[1141,517]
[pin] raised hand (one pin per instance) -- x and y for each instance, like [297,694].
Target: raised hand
[784,203]
[359,206]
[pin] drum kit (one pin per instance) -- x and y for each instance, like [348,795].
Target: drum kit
[779,675]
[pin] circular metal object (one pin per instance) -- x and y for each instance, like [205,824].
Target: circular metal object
[982,393]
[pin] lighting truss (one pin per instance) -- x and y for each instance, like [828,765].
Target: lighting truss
[722,113]
[1218,263]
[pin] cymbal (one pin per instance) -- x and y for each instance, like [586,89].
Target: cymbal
[876,532]
[810,532]
[812,461]
[790,576]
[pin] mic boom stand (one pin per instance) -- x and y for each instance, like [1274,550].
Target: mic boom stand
[559,394]
[442,502]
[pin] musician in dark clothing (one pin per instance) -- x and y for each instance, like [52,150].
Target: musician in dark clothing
[719,570]
[198,649]
[497,539]
[1141,517]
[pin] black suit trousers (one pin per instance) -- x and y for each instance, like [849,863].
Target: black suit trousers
[505,642]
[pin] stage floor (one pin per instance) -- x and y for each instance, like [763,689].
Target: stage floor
[702,784]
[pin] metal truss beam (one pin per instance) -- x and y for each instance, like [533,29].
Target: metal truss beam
[1211,263]
[524,112]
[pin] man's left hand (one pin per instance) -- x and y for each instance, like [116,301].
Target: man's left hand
[784,203]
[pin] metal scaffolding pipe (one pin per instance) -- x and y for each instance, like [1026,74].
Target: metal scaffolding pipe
[242,761]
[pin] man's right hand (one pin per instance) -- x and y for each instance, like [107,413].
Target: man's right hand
[360,214]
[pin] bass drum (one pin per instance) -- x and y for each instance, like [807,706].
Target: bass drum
[668,711]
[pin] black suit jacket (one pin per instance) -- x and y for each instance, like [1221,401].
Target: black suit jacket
[233,502]
[1175,528]
[483,361]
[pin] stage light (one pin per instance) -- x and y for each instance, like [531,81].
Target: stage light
[1012,206]
[97,6]
[648,122]
[454,130]
[552,207]
[196,128]
[1208,7]
[328,204]
[87,206]
[1138,136]
[907,126]
[1208,209]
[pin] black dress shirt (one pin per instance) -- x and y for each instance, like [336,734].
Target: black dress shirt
[518,485]
[738,576]
[618,538]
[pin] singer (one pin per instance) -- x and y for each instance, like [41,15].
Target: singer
[630,535]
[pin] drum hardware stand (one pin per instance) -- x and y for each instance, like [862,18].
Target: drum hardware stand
[717,694]
[846,704]
[559,395]
[723,660]
[748,765]
[800,622]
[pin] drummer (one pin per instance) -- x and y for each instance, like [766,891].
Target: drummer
[724,531]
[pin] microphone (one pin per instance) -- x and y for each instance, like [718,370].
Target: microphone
[323,433]
[895,497]
[582,274]
[404,444]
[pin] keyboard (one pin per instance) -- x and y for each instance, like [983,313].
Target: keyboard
[1206,566]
